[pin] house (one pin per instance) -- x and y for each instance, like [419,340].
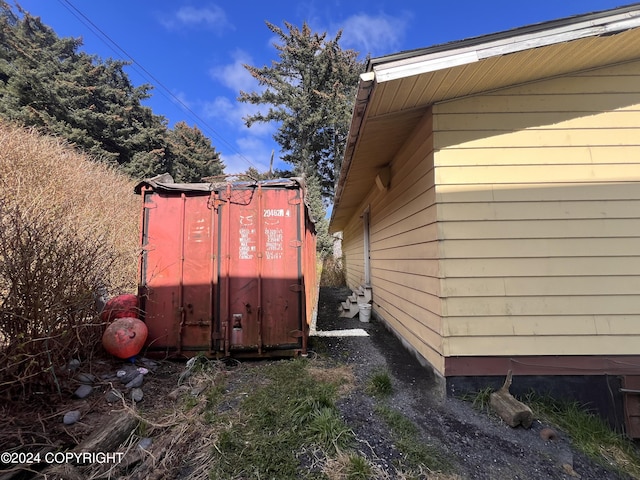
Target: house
[490,198]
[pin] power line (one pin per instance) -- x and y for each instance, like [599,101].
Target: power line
[164,90]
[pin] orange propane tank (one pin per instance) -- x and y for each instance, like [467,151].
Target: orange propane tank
[125,337]
[122,306]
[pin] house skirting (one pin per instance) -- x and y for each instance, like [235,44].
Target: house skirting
[601,383]
[599,393]
[544,365]
[605,384]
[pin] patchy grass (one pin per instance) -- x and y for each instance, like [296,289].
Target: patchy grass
[480,400]
[589,433]
[290,419]
[352,466]
[342,376]
[379,384]
[358,468]
[417,455]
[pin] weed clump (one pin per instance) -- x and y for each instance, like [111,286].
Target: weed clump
[379,384]
[332,272]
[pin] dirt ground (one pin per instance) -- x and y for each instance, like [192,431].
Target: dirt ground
[476,444]
[480,445]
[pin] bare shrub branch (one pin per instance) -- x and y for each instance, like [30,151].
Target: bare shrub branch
[68,229]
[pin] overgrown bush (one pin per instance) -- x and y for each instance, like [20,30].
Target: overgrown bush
[332,272]
[68,229]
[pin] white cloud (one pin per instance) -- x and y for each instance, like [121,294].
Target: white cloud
[236,78]
[251,152]
[222,109]
[240,146]
[248,147]
[234,75]
[212,17]
[379,34]
[180,98]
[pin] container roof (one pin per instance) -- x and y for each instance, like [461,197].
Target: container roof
[164,182]
[397,90]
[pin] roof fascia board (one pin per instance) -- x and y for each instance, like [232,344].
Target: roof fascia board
[395,70]
[365,87]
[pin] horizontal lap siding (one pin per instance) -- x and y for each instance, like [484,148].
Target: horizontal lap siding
[353,254]
[404,248]
[538,197]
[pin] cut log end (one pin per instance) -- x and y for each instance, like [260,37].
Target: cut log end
[513,412]
[106,439]
[111,435]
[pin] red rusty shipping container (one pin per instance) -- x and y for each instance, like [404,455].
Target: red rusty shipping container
[226,269]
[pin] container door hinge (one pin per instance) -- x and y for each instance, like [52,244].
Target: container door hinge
[296,333]
[214,202]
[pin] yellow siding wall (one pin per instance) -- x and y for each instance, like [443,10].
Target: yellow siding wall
[404,248]
[538,197]
[353,253]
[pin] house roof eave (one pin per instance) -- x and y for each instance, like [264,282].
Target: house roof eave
[395,68]
[473,49]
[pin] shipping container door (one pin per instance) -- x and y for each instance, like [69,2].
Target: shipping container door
[178,271]
[264,269]
[283,293]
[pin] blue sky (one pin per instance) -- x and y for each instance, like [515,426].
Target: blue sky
[194,50]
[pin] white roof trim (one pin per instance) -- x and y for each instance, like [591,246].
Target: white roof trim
[367,77]
[408,67]
[384,73]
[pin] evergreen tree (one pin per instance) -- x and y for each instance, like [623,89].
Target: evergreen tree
[46,82]
[310,93]
[191,155]
[254,174]
[324,241]
[90,103]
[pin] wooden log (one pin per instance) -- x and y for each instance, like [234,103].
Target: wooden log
[109,437]
[511,411]
[106,439]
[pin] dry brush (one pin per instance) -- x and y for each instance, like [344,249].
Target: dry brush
[68,229]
